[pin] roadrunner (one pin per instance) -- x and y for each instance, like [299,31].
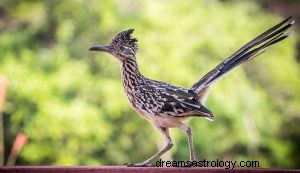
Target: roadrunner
[165,105]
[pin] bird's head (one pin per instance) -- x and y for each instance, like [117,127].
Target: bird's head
[122,46]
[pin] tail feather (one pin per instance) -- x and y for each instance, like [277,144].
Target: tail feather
[250,50]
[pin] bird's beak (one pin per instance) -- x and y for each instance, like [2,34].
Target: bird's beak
[103,48]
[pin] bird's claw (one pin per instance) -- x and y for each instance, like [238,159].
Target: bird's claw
[138,164]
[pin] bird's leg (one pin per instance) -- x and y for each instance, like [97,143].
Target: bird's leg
[188,131]
[169,145]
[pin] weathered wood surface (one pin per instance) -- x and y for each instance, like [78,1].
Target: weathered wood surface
[124,169]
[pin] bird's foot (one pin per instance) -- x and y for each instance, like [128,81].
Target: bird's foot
[138,164]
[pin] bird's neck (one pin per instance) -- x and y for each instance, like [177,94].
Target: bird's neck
[131,75]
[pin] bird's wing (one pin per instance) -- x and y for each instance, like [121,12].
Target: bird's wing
[180,103]
[245,53]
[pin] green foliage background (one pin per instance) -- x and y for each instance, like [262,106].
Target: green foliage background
[70,101]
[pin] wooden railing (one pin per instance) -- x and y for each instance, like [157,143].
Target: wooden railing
[124,169]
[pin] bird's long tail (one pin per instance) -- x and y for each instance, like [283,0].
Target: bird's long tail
[245,53]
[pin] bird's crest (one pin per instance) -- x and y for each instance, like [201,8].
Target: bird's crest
[125,38]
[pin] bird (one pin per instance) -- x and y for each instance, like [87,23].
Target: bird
[166,106]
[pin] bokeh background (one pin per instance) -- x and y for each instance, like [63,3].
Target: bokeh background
[65,105]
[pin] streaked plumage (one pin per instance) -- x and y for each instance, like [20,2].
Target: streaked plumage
[166,105]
